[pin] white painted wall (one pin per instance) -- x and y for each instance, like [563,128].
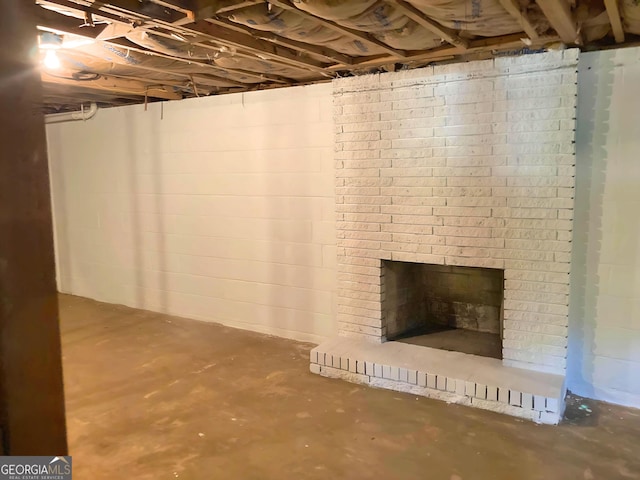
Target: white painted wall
[219,209]
[224,211]
[604,329]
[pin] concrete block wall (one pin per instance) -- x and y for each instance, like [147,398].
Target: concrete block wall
[219,209]
[465,164]
[604,329]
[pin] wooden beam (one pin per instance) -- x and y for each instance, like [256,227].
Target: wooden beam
[72,96]
[186,7]
[217,34]
[234,5]
[116,85]
[502,43]
[558,12]
[513,8]
[614,17]
[350,32]
[204,9]
[59,22]
[434,27]
[318,50]
[146,8]
[208,32]
[263,77]
[32,416]
[64,23]
[260,48]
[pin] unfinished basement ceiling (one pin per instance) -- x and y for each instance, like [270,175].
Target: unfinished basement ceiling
[132,51]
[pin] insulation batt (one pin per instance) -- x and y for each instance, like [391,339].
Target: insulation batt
[480,17]
[291,25]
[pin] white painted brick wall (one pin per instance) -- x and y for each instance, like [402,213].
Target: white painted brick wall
[222,210]
[466,164]
[604,329]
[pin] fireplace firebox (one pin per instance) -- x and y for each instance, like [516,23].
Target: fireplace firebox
[444,306]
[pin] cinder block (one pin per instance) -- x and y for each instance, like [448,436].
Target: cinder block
[377,370]
[412,377]
[441,382]
[422,379]
[360,367]
[515,398]
[431,381]
[314,368]
[403,375]
[527,400]
[460,387]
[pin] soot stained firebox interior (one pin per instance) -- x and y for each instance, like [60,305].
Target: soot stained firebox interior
[444,306]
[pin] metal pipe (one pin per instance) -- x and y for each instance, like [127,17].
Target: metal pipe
[72,116]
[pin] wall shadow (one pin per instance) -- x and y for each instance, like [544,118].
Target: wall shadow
[595,88]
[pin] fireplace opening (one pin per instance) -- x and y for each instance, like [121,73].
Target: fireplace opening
[444,306]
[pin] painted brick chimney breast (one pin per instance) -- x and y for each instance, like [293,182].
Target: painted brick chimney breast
[467,164]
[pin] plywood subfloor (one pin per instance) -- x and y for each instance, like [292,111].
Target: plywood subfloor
[151,396]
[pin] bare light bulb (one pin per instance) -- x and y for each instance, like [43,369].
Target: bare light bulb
[51,60]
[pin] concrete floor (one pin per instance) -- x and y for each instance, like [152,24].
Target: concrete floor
[151,396]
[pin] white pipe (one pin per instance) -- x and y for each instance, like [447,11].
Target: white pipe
[72,116]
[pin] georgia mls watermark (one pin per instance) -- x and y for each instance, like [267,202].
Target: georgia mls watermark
[35,468]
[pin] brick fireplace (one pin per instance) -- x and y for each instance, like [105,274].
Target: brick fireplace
[467,166]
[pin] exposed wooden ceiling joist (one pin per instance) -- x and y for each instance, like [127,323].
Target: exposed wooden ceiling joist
[186,7]
[117,85]
[52,19]
[355,34]
[80,95]
[62,23]
[320,51]
[203,9]
[417,16]
[492,44]
[559,14]
[614,17]
[148,9]
[242,52]
[257,47]
[233,5]
[513,7]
